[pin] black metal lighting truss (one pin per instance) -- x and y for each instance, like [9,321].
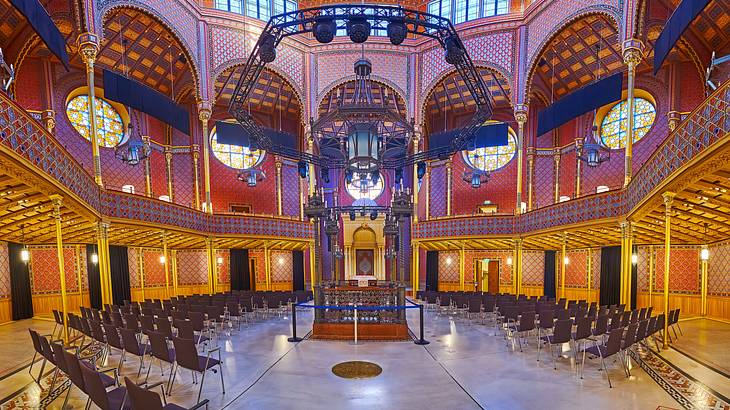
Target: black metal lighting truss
[416,22]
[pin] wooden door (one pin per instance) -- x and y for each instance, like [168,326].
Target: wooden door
[493,276]
[478,275]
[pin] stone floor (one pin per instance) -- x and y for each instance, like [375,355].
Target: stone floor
[466,366]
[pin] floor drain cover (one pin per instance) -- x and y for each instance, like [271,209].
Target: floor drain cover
[356,370]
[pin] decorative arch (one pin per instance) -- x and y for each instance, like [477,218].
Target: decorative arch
[144,7]
[610,13]
[426,96]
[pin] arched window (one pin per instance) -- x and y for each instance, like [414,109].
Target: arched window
[615,123]
[365,189]
[235,156]
[492,158]
[109,124]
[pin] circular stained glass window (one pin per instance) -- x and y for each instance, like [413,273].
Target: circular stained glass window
[366,188]
[109,125]
[615,123]
[492,158]
[235,156]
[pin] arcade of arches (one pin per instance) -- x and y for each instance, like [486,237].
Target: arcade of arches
[607,235]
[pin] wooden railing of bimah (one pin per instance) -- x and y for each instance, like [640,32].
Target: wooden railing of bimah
[707,126]
[25,140]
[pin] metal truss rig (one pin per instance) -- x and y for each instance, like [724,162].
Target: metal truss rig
[416,22]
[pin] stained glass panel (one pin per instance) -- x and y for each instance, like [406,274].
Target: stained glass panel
[109,125]
[235,156]
[491,158]
[615,124]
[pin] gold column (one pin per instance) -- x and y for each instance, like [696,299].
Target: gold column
[147,171]
[626,264]
[668,199]
[311,264]
[428,191]
[521,117]
[104,268]
[448,187]
[168,170]
[517,265]
[173,266]
[310,149]
[556,160]
[632,53]
[416,142]
[166,264]
[530,176]
[415,268]
[140,260]
[88,48]
[212,268]
[563,254]
[56,200]
[49,120]
[589,273]
[195,151]
[79,284]
[278,186]
[674,119]
[652,272]
[703,289]
[462,272]
[578,148]
[204,111]
[267,259]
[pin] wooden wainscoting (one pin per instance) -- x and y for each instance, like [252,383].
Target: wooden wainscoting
[43,305]
[224,287]
[689,305]
[531,290]
[581,294]
[157,292]
[6,311]
[187,290]
[718,307]
[449,286]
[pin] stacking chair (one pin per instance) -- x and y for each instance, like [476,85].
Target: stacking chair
[640,335]
[60,362]
[608,349]
[73,370]
[113,340]
[523,327]
[674,321]
[234,313]
[650,329]
[163,326]
[187,357]
[561,334]
[628,340]
[475,308]
[148,324]
[546,322]
[114,399]
[131,345]
[58,319]
[35,338]
[117,319]
[163,353]
[582,334]
[642,314]
[200,326]
[97,332]
[131,322]
[601,326]
[145,399]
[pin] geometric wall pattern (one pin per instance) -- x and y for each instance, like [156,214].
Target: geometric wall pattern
[4,271]
[642,269]
[43,266]
[437,185]
[718,271]
[533,268]
[684,273]
[133,260]
[282,265]
[192,267]
[576,270]
[333,66]
[505,270]
[448,267]
[260,264]
[596,268]
[224,274]
[152,269]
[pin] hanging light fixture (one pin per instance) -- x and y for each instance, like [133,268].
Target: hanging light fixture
[705,251]
[133,148]
[475,176]
[591,152]
[24,253]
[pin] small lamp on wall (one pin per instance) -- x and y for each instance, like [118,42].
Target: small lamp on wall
[220,260]
[162,259]
[94,258]
[24,253]
[509,260]
[705,251]
[634,258]
[566,260]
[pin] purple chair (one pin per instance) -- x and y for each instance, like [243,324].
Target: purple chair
[187,357]
[610,348]
[131,345]
[162,353]
[145,399]
[114,399]
[561,334]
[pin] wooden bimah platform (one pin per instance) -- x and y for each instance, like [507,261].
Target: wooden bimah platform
[379,324]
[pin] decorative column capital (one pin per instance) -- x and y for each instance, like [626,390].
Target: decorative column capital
[88,44]
[521,113]
[205,110]
[57,201]
[675,117]
[668,198]
[633,52]
[195,150]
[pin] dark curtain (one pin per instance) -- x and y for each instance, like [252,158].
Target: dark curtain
[240,274]
[610,275]
[432,271]
[20,294]
[119,265]
[549,277]
[634,272]
[92,271]
[298,258]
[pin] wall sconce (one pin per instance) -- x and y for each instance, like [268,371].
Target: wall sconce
[448,261]
[220,260]
[281,261]
[634,259]
[24,255]
[566,260]
[94,258]
[162,259]
[509,260]
[705,254]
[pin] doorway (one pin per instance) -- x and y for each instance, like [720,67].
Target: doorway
[487,273]
[252,276]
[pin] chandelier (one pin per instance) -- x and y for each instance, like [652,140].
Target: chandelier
[251,176]
[134,148]
[591,152]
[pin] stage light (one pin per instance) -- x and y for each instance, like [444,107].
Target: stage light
[24,255]
[373,215]
[324,30]
[397,32]
[420,170]
[251,181]
[267,48]
[348,176]
[94,258]
[362,213]
[398,175]
[454,51]
[358,28]
[325,174]
[352,215]
[303,169]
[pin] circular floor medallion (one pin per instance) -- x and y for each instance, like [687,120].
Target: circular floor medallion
[356,370]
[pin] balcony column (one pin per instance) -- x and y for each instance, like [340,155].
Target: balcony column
[173,268]
[416,142]
[88,45]
[563,254]
[517,265]
[556,173]
[278,186]
[428,192]
[212,265]
[703,287]
[448,187]
[530,176]
[168,170]
[674,119]
[632,53]
[147,171]
[521,117]
[104,268]
[414,268]
[578,167]
[57,201]
[166,264]
[668,199]
[462,272]
[626,264]
[204,112]
[195,152]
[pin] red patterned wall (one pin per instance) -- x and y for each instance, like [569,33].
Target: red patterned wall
[449,267]
[4,271]
[533,268]
[192,267]
[44,269]
[718,270]
[576,271]
[684,269]
[224,274]
[154,271]
[133,261]
[282,267]
[437,184]
[500,189]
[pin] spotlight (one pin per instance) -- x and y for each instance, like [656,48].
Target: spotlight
[324,30]
[325,174]
[420,170]
[303,169]
[398,175]
[362,213]
[397,32]
[352,215]
[348,176]
[373,215]
[375,177]
[267,49]
[358,28]
[454,51]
